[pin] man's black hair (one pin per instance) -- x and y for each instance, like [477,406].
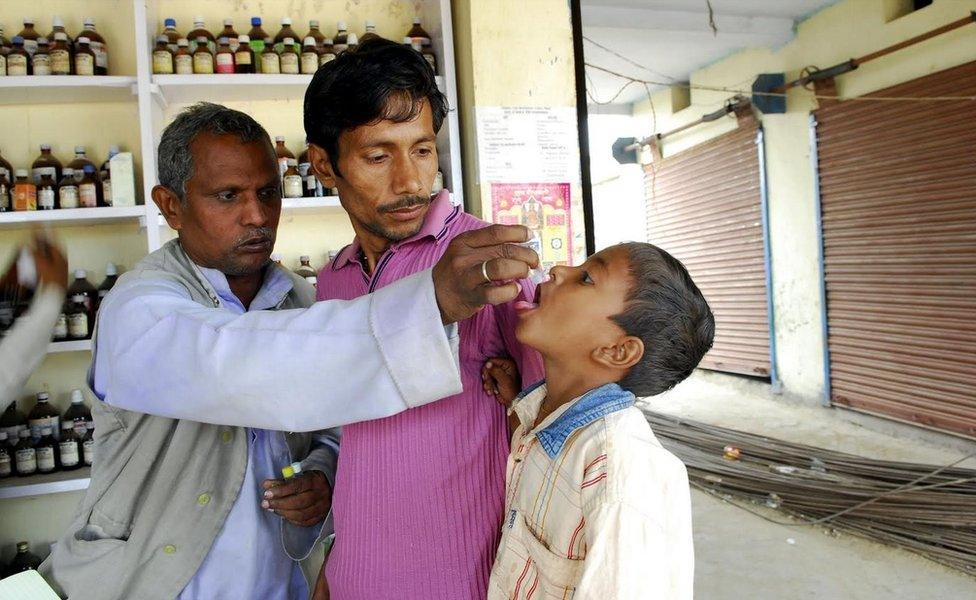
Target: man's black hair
[668,312]
[379,80]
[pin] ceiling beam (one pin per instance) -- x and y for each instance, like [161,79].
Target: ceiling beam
[650,19]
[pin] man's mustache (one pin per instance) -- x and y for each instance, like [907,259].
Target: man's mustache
[402,203]
[257,236]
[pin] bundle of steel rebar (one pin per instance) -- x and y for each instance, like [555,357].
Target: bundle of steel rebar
[927,509]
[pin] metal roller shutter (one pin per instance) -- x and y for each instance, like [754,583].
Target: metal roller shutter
[898,202]
[704,206]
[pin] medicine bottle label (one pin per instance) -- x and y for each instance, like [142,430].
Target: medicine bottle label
[203,64]
[45,199]
[78,325]
[4,465]
[16,64]
[88,452]
[310,62]
[69,196]
[88,195]
[225,63]
[26,460]
[184,64]
[84,64]
[289,63]
[270,63]
[101,56]
[162,62]
[69,453]
[293,186]
[243,58]
[60,62]
[327,57]
[61,327]
[42,64]
[107,192]
[37,425]
[45,459]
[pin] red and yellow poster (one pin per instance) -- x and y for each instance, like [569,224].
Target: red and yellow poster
[542,207]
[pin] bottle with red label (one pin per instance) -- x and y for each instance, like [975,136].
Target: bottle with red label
[225,57]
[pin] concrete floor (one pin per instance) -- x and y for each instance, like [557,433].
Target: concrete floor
[741,556]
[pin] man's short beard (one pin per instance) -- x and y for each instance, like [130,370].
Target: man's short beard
[398,236]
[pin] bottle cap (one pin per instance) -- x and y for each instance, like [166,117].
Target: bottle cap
[327,42]
[314,23]
[57,21]
[223,41]
[113,150]
[45,431]
[162,39]
[77,397]
[280,138]
[81,274]
[68,171]
[66,425]
[244,39]
[370,25]
[201,39]
[24,433]
[286,20]
[17,39]
[79,149]
[60,36]
[291,470]
[416,20]
[170,22]
[89,22]
[408,41]
[42,41]
[20,173]
[89,168]
[45,147]
[228,22]
[341,25]
[309,40]
[182,42]
[304,258]
[255,21]
[43,396]
[84,40]
[28,20]
[198,21]
[111,269]
[288,41]
[292,162]
[78,298]
[352,39]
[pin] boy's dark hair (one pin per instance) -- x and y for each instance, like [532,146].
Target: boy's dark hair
[667,311]
[379,80]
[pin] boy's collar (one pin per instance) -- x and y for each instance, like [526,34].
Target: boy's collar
[557,427]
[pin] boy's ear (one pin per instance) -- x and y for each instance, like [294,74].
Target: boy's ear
[624,354]
[322,166]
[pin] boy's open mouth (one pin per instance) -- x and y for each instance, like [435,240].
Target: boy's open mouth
[522,306]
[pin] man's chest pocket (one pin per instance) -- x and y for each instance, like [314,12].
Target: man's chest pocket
[528,569]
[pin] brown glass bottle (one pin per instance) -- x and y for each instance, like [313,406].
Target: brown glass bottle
[200,30]
[89,188]
[6,197]
[98,46]
[370,32]
[25,458]
[68,190]
[285,32]
[46,163]
[305,269]
[162,57]
[24,560]
[310,56]
[283,154]
[29,35]
[79,319]
[82,286]
[77,415]
[224,58]
[183,59]
[84,57]
[80,160]
[315,33]
[417,32]
[69,447]
[18,59]
[292,184]
[290,58]
[308,176]
[41,61]
[47,193]
[111,277]
[244,57]
[6,458]
[233,40]
[172,35]
[57,26]
[6,168]
[88,445]
[61,55]
[43,415]
[328,52]
[12,421]
[257,36]
[203,58]
[340,39]
[46,451]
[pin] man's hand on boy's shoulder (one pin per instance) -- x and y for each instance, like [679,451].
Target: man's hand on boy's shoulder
[501,379]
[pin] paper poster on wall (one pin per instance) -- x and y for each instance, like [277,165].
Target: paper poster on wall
[525,143]
[542,207]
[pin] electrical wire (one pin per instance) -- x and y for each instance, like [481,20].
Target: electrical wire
[628,60]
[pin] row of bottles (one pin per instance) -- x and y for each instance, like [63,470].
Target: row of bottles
[29,53]
[202,53]
[24,560]
[44,441]
[49,185]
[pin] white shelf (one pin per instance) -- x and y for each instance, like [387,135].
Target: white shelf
[69,346]
[327,204]
[186,89]
[64,89]
[72,216]
[40,485]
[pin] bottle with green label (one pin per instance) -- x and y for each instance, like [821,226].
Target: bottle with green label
[256,38]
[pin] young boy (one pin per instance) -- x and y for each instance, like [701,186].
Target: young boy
[595,506]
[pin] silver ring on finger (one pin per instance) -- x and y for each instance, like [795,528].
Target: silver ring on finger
[484,271]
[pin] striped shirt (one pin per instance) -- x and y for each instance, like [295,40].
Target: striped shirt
[419,496]
[595,507]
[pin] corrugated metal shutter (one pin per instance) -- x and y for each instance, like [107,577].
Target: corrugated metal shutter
[704,207]
[898,197]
